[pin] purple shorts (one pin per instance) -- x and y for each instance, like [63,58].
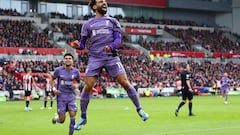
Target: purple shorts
[224,91]
[63,106]
[112,65]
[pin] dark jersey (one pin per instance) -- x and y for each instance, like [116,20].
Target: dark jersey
[185,75]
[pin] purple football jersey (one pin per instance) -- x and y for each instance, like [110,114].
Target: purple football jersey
[225,82]
[65,79]
[100,31]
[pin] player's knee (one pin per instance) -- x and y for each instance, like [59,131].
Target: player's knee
[88,88]
[125,85]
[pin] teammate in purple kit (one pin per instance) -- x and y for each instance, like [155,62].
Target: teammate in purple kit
[66,77]
[225,84]
[104,33]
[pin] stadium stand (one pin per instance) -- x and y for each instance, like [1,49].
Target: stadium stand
[29,38]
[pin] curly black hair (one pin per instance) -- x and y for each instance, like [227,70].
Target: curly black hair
[91,4]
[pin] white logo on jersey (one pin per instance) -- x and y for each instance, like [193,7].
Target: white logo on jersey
[100,31]
[94,33]
[107,22]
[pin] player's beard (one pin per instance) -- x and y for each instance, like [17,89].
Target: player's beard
[101,11]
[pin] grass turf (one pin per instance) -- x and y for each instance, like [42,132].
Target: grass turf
[118,117]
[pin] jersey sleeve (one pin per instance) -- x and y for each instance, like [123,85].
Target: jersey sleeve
[85,31]
[55,74]
[188,76]
[116,26]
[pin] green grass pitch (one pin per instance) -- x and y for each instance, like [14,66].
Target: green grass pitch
[118,117]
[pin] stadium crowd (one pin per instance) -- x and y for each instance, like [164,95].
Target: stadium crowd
[21,33]
[187,38]
[9,12]
[152,20]
[212,41]
[140,69]
[18,38]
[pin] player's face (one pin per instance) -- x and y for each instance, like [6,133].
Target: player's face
[68,61]
[101,6]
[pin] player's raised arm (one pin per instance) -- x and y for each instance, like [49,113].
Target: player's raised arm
[115,44]
[79,45]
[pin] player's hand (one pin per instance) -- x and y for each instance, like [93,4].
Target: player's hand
[107,48]
[190,89]
[75,44]
[56,92]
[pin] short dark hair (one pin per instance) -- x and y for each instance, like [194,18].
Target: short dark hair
[68,54]
[184,65]
[91,4]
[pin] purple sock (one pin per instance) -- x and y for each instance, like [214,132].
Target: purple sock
[132,94]
[85,97]
[226,98]
[71,125]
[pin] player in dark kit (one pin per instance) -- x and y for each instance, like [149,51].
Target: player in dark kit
[187,91]
[65,77]
[104,33]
